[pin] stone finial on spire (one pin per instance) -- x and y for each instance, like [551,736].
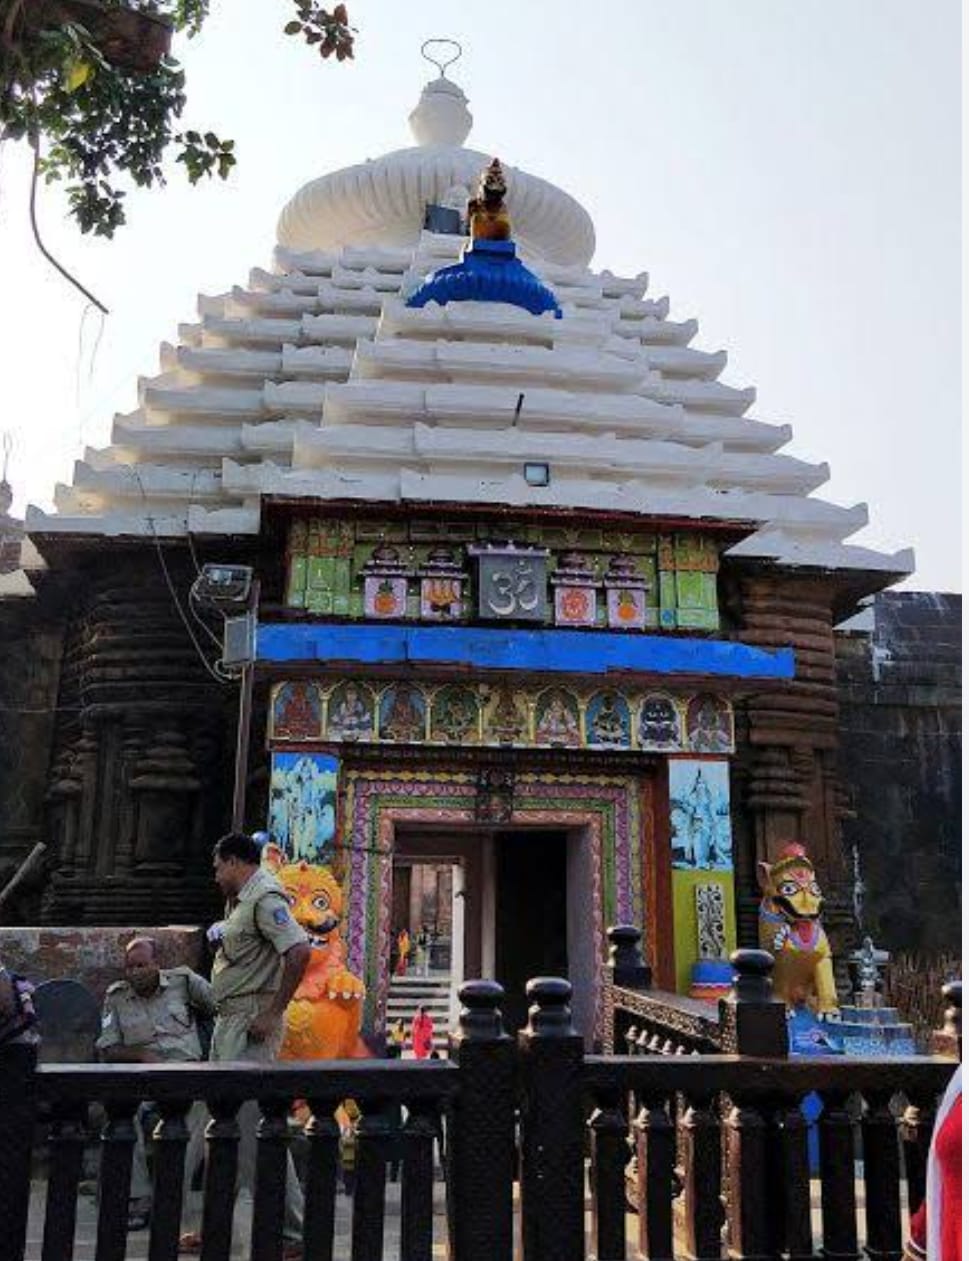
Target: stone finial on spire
[441,116]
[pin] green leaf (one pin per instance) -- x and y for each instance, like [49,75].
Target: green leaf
[293,28]
[78,73]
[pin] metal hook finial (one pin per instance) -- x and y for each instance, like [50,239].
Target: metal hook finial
[441,63]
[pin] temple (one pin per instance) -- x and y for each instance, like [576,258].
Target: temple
[545,620]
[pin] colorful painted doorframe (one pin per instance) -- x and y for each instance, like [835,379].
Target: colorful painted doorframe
[616,813]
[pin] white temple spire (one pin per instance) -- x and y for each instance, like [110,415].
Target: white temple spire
[441,116]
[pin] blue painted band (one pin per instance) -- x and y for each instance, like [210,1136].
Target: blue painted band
[555,651]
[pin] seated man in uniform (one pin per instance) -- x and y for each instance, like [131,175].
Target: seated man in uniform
[150,1017]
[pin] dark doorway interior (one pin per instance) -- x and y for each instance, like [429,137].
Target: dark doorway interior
[531,924]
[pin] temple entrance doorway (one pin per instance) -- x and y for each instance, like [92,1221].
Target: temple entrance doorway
[531,914]
[503,903]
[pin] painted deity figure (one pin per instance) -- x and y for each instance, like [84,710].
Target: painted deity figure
[790,928]
[488,218]
[557,724]
[659,723]
[350,716]
[708,727]
[608,726]
[508,723]
[310,805]
[455,717]
[297,712]
[405,720]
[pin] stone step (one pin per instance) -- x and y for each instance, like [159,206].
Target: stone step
[434,981]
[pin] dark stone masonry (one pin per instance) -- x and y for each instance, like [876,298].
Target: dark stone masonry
[899,684]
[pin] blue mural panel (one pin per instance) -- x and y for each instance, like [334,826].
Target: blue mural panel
[302,805]
[700,814]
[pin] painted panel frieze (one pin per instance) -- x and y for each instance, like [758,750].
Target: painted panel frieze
[660,723]
[626,608]
[700,815]
[557,722]
[384,596]
[441,599]
[298,711]
[435,570]
[499,714]
[709,725]
[456,715]
[512,584]
[507,717]
[350,712]
[403,714]
[607,721]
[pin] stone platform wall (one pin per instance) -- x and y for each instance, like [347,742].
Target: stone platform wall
[899,683]
[94,956]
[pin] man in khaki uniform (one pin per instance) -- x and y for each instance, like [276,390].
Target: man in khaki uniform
[261,957]
[152,1017]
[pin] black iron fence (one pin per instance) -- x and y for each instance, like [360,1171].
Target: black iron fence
[676,1156]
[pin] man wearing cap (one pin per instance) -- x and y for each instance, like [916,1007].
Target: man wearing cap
[260,959]
[152,1016]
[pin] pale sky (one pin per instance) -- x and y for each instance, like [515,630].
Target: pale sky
[787,171]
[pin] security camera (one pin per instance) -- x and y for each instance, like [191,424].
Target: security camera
[224,587]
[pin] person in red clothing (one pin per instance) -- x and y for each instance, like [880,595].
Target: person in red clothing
[936,1229]
[422,1034]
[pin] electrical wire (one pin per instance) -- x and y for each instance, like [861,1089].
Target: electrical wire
[197,617]
[209,669]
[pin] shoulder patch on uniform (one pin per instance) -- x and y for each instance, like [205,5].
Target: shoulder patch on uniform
[281,915]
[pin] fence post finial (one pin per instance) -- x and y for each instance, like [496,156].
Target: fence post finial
[482,1143]
[626,966]
[755,1022]
[553,1129]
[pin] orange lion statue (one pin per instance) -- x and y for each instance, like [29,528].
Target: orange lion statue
[324,1017]
[790,928]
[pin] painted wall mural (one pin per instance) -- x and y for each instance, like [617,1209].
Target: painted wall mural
[459,571]
[709,725]
[302,804]
[700,815]
[350,710]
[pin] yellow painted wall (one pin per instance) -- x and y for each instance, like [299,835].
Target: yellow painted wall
[684,918]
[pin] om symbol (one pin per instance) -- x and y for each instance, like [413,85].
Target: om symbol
[513,590]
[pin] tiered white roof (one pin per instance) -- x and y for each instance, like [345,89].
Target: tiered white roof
[318,381]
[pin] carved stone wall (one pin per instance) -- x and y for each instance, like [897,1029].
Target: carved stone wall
[899,679]
[786,781]
[30,655]
[140,780]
